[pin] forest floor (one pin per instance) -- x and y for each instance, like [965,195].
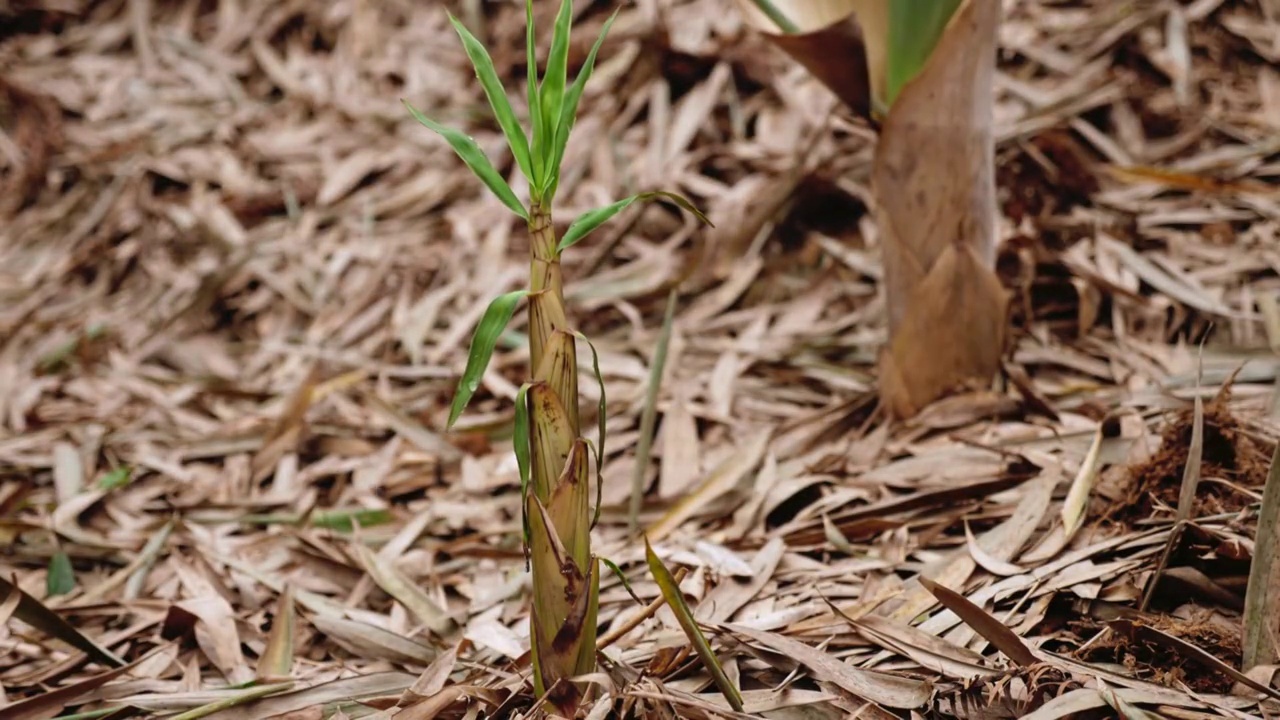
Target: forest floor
[238,281]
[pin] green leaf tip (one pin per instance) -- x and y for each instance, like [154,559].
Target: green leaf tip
[497,97]
[569,110]
[483,342]
[466,148]
[592,219]
[675,600]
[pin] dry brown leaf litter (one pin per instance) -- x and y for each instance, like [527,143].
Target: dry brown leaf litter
[233,267]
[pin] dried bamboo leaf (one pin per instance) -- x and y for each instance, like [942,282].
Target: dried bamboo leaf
[722,479]
[370,641]
[409,594]
[277,657]
[996,632]
[48,704]
[34,613]
[880,688]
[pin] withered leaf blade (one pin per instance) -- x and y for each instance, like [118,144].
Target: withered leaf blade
[840,42]
[409,594]
[370,641]
[48,704]
[996,632]
[880,688]
[34,613]
[277,658]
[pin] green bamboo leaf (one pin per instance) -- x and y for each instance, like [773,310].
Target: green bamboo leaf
[488,77]
[568,112]
[118,477]
[592,219]
[1262,593]
[600,414]
[520,441]
[61,578]
[625,583]
[551,97]
[649,414]
[675,600]
[471,154]
[914,29]
[538,150]
[494,321]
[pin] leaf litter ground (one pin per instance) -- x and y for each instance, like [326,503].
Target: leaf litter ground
[236,284]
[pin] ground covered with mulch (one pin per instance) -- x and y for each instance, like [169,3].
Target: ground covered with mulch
[237,283]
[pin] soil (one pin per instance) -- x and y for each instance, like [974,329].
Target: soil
[1160,664]
[1229,454]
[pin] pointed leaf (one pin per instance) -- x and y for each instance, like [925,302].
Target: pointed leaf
[485,339]
[61,578]
[520,442]
[276,661]
[623,578]
[538,143]
[32,612]
[471,154]
[592,219]
[488,77]
[995,632]
[561,128]
[553,81]
[649,414]
[1262,594]
[675,600]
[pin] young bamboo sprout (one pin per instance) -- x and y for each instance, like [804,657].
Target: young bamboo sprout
[923,71]
[553,458]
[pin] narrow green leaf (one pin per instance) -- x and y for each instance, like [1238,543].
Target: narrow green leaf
[592,219]
[625,583]
[649,414]
[601,411]
[1262,594]
[494,321]
[914,29]
[538,148]
[344,520]
[551,97]
[471,154]
[61,578]
[32,612]
[237,700]
[675,600]
[777,16]
[488,77]
[115,478]
[568,112]
[520,441]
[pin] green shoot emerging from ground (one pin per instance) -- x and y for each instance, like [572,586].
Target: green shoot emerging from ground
[553,458]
